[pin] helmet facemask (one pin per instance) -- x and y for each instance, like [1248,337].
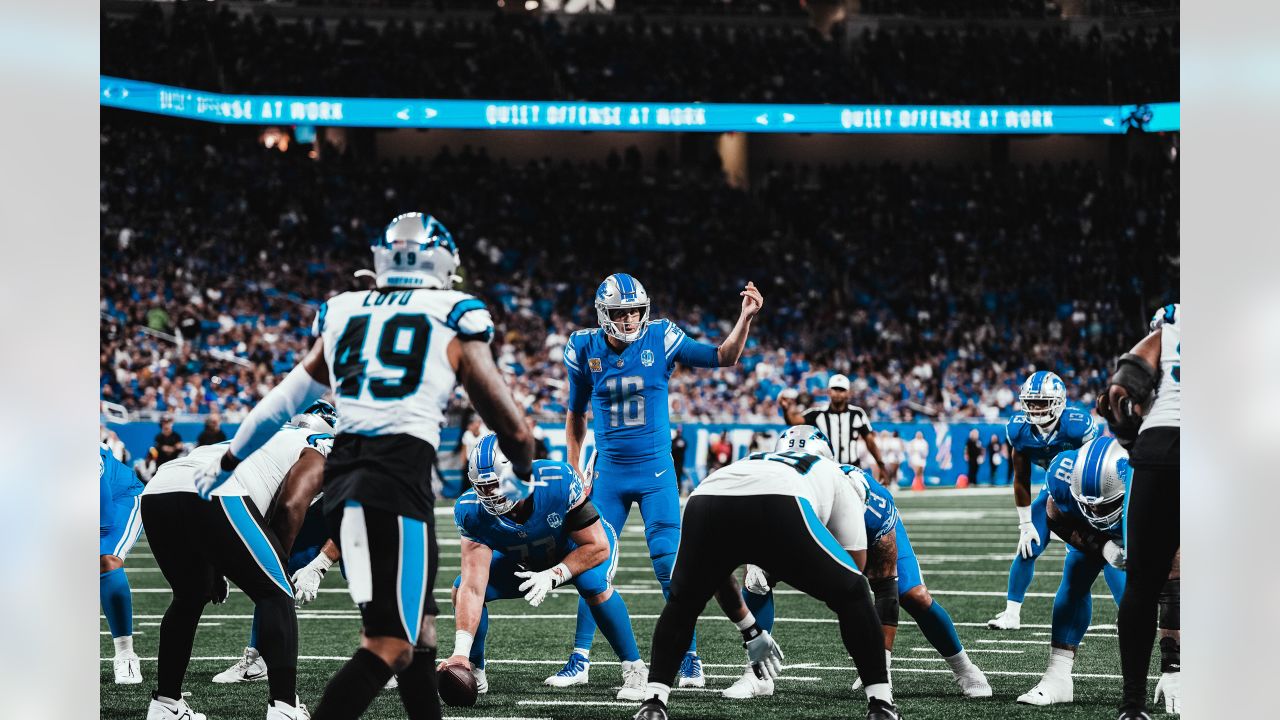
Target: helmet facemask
[416,251]
[489,471]
[1098,481]
[621,295]
[1043,401]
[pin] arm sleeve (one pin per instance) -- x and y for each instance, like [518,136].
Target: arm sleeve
[681,348]
[296,391]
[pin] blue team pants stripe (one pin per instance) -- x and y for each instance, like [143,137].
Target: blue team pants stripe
[411,576]
[824,538]
[132,528]
[255,540]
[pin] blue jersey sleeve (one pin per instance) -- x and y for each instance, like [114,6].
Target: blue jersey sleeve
[680,348]
[1058,481]
[1013,431]
[579,382]
[463,512]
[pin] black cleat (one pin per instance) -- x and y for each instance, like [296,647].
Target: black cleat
[651,709]
[878,709]
[1130,712]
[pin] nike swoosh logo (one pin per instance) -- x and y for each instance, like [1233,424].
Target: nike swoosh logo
[250,676]
[659,474]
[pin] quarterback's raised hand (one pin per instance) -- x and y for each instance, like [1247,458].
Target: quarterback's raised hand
[538,584]
[752,300]
[211,477]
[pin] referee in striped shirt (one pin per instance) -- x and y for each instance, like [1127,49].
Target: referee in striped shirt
[843,423]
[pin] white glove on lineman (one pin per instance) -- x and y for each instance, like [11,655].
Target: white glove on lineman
[306,582]
[756,581]
[1027,533]
[1114,554]
[540,583]
[765,655]
[210,477]
[1170,686]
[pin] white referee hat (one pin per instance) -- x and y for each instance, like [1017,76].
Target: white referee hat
[838,382]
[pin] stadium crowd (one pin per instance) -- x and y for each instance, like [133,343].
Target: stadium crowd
[935,288]
[530,58]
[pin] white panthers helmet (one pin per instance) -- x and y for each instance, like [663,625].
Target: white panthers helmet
[1169,314]
[415,251]
[805,439]
[1098,481]
[1043,398]
[620,291]
[488,469]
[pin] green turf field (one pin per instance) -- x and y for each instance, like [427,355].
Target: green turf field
[964,541]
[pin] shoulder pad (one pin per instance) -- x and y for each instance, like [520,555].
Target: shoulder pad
[1058,476]
[1016,429]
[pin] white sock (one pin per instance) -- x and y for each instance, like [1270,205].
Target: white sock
[124,644]
[880,691]
[888,659]
[1060,662]
[586,654]
[658,690]
[959,662]
[1013,607]
[629,664]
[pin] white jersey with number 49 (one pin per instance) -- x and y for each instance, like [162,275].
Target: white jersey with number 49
[1167,409]
[387,352]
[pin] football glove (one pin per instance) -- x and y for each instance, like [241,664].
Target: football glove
[211,477]
[765,655]
[538,584]
[220,590]
[1027,534]
[306,582]
[1114,554]
[1170,686]
[756,581]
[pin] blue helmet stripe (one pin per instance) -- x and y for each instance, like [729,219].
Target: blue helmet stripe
[1091,485]
[626,286]
[487,446]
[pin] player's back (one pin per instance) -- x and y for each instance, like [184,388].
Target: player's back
[541,538]
[812,477]
[387,352]
[1074,428]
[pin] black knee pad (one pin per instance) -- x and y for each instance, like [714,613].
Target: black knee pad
[886,595]
[1170,616]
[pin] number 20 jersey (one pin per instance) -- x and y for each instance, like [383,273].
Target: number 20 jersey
[387,352]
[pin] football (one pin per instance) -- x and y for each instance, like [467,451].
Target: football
[457,685]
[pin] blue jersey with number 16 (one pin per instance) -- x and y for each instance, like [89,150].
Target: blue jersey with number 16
[627,390]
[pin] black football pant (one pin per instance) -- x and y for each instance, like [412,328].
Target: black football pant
[780,534]
[198,542]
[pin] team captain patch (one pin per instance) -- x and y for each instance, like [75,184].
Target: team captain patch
[594,364]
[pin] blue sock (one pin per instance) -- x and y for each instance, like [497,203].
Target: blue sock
[1020,574]
[937,627]
[1115,580]
[477,645]
[585,634]
[761,606]
[117,601]
[662,567]
[253,629]
[615,624]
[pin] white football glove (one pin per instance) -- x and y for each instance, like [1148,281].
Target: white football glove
[306,582]
[1170,686]
[210,477]
[756,581]
[765,655]
[1114,554]
[1027,534]
[538,584]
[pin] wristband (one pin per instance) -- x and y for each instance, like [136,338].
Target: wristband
[1024,515]
[746,622]
[462,643]
[562,572]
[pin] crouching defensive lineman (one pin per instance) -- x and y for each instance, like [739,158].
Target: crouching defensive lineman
[526,539]
[812,516]
[1087,494]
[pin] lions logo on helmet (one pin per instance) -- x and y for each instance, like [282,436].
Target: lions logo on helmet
[320,416]
[620,291]
[1043,397]
[488,469]
[415,251]
[1098,481]
[805,439]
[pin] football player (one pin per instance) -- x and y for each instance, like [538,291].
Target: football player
[893,572]
[1043,428]
[816,542]
[1086,504]
[526,539]
[200,545]
[119,523]
[620,370]
[391,355]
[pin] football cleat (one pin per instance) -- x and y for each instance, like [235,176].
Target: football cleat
[249,668]
[691,671]
[281,711]
[651,709]
[973,683]
[1049,691]
[482,682]
[748,686]
[127,668]
[575,672]
[1133,713]
[1006,620]
[178,711]
[635,678]
[878,709]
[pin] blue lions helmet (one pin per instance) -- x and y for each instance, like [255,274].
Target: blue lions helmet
[415,251]
[1168,314]
[1098,481]
[1043,397]
[320,416]
[805,439]
[487,468]
[620,291]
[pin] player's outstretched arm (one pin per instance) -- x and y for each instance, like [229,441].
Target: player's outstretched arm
[468,601]
[731,349]
[300,486]
[492,399]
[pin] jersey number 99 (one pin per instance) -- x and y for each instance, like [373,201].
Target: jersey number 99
[349,365]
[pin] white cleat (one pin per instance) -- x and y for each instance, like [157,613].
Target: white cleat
[575,672]
[973,683]
[281,711]
[180,711]
[1049,691]
[1006,620]
[249,668]
[128,671]
[482,682]
[748,686]
[635,678]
